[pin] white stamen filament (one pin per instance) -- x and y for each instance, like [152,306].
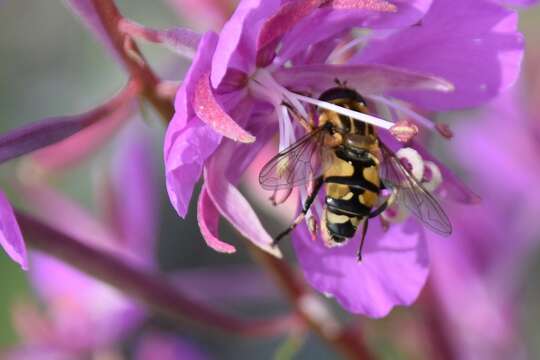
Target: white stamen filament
[286,129]
[421,120]
[264,84]
[369,119]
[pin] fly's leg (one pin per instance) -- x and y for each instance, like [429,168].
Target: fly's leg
[309,201]
[364,232]
[307,124]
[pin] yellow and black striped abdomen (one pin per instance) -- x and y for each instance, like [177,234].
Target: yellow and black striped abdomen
[352,190]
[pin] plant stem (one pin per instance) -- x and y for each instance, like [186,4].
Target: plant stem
[347,340]
[151,289]
[132,57]
[436,325]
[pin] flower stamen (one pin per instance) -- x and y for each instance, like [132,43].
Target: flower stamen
[442,129]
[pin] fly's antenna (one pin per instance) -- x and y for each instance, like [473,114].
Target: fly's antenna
[341,84]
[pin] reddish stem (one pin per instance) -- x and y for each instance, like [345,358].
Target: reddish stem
[151,289]
[348,341]
[440,338]
[132,57]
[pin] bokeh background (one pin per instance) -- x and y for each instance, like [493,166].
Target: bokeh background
[51,65]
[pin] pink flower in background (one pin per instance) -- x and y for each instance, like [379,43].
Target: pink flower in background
[415,56]
[11,239]
[84,315]
[478,275]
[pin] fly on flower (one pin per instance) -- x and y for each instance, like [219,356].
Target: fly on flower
[361,175]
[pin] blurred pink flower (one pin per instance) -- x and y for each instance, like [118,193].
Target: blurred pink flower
[85,315]
[477,275]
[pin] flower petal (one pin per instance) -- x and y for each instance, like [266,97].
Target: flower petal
[184,97]
[231,203]
[366,79]
[473,44]
[74,149]
[203,14]
[329,22]
[185,159]
[376,5]
[75,221]
[188,141]
[210,111]
[11,238]
[208,220]
[293,12]
[181,40]
[133,194]
[237,41]
[278,24]
[393,270]
[48,131]
[86,313]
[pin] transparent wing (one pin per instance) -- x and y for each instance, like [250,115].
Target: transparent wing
[412,195]
[300,163]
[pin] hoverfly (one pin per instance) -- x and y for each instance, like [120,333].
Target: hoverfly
[347,157]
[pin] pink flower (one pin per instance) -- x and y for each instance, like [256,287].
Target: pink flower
[410,58]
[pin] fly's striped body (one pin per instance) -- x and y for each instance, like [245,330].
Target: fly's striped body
[352,181]
[346,157]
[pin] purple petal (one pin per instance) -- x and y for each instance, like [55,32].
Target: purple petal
[76,148]
[328,23]
[184,160]
[237,41]
[134,193]
[264,126]
[181,40]
[75,221]
[393,270]
[11,238]
[518,2]
[163,346]
[278,24]
[48,131]
[210,112]
[184,97]
[203,14]
[473,44]
[87,12]
[231,203]
[188,141]
[368,79]
[86,313]
[377,5]
[293,12]
[208,220]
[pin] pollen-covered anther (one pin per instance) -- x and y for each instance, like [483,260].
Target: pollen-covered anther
[412,161]
[432,178]
[393,215]
[404,130]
